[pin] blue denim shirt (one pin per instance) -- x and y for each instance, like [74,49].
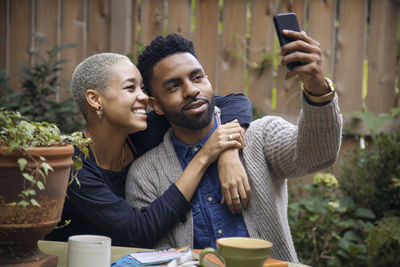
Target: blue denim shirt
[211,219]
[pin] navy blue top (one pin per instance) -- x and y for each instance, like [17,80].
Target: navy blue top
[98,205]
[211,219]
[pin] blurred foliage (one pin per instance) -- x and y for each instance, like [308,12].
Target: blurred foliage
[328,228]
[370,174]
[40,86]
[332,223]
[383,243]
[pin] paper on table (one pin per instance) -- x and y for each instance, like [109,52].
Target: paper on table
[157,256]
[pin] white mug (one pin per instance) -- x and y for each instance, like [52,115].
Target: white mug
[89,250]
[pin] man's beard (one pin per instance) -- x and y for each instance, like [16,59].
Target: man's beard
[193,122]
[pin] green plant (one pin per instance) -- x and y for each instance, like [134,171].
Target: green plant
[328,228]
[40,85]
[370,174]
[383,243]
[21,135]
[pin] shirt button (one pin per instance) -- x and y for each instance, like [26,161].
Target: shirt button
[219,231]
[196,148]
[209,198]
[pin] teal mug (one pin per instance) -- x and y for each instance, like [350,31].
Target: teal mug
[240,251]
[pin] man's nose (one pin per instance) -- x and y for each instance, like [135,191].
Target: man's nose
[191,90]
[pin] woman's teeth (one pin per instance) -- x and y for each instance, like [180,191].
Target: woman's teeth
[139,112]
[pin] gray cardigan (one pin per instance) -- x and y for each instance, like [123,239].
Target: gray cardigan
[275,150]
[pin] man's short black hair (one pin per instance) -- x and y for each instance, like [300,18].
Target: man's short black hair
[160,48]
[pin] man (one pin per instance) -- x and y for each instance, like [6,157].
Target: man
[275,149]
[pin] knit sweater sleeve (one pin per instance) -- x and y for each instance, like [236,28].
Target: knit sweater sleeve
[151,175]
[295,150]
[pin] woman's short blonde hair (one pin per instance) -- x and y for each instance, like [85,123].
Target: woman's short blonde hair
[93,73]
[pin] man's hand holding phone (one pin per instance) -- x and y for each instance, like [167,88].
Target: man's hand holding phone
[302,48]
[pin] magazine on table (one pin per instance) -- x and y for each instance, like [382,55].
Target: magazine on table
[159,258]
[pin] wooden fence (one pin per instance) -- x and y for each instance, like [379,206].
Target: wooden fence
[233,39]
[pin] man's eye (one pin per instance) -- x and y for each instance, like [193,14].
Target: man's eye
[173,86]
[198,77]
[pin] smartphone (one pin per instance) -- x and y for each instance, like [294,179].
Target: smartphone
[287,21]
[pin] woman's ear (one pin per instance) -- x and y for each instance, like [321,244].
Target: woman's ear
[93,98]
[155,105]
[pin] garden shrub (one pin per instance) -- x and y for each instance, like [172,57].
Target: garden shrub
[383,243]
[370,176]
[36,100]
[328,229]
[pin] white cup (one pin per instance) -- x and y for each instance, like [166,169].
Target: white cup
[89,250]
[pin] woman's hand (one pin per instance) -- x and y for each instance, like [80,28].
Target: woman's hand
[234,182]
[228,135]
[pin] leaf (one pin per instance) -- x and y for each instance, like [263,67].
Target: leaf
[40,185]
[34,202]
[23,203]
[12,204]
[347,203]
[351,236]
[364,213]
[46,167]
[28,177]
[28,192]
[22,162]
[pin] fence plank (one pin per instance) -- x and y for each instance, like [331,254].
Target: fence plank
[321,27]
[20,37]
[134,23]
[152,20]
[98,27]
[3,34]
[206,38]
[73,30]
[288,91]
[350,54]
[232,65]
[381,62]
[262,34]
[46,24]
[179,15]
[120,16]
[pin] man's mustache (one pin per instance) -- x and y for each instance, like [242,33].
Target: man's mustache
[193,100]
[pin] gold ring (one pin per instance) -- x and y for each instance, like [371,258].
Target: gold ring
[237,197]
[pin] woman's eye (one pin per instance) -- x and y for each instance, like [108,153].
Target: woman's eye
[130,87]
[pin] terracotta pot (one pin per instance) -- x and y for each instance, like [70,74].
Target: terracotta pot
[21,228]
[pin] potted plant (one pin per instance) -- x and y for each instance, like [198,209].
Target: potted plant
[35,166]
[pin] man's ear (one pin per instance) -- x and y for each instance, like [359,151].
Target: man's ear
[93,98]
[155,105]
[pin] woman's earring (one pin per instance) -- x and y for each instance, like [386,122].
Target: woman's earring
[99,112]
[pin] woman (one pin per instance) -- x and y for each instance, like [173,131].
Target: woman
[108,90]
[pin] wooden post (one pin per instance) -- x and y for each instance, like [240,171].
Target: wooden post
[98,27]
[20,38]
[350,54]
[152,20]
[233,47]
[73,30]
[382,46]
[179,15]
[262,34]
[120,16]
[206,38]
[3,35]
